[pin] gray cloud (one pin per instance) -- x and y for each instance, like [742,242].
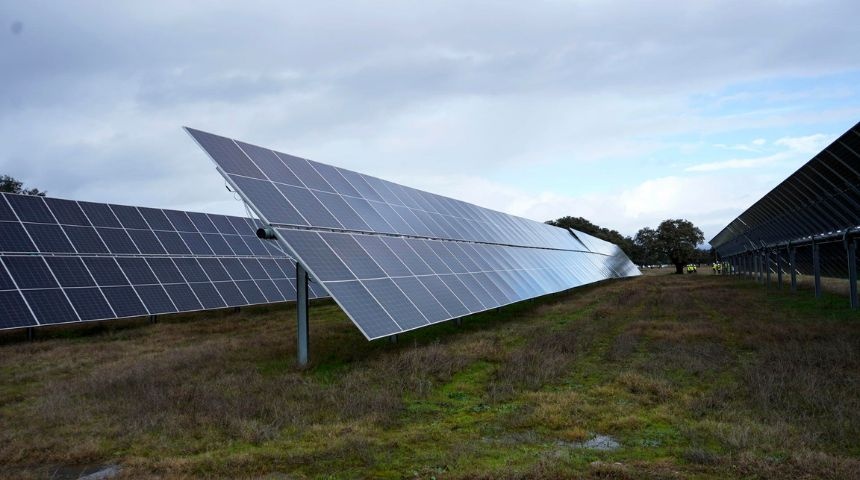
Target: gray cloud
[94,93]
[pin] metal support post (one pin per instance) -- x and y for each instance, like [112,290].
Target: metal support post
[392,338]
[458,321]
[758,268]
[852,272]
[31,334]
[816,269]
[792,267]
[153,319]
[302,313]
[779,269]
[766,258]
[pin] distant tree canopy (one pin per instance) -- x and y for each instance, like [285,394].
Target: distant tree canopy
[583,225]
[11,185]
[675,240]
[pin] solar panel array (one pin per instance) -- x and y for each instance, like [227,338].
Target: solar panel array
[396,258]
[65,261]
[820,198]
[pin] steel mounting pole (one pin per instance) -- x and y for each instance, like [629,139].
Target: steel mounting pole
[816,268]
[302,314]
[779,269]
[852,272]
[792,267]
[766,264]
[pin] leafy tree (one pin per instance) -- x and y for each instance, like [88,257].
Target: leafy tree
[678,239]
[647,249]
[11,185]
[584,225]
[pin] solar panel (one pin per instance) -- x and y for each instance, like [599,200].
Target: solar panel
[65,261]
[396,258]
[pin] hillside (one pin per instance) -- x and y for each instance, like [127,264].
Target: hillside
[661,376]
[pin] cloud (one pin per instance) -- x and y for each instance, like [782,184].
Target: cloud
[737,163]
[807,144]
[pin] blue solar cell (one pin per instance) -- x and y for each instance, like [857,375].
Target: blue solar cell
[423,299]
[146,242]
[393,218]
[446,256]
[269,201]
[313,251]
[223,225]
[243,226]
[6,213]
[49,238]
[165,270]
[85,239]
[13,238]
[305,172]
[217,244]
[67,212]
[172,242]
[366,312]
[360,184]
[231,294]
[129,217]
[117,240]
[155,299]
[99,214]
[70,271]
[180,221]
[315,290]
[344,214]
[254,269]
[50,306]
[90,303]
[369,215]
[422,248]
[334,178]
[270,164]
[155,218]
[352,255]
[14,312]
[270,291]
[207,295]
[105,271]
[497,296]
[258,247]
[407,255]
[237,245]
[235,269]
[226,153]
[485,300]
[214,269]
[202,222]
[415,223]
[270,267]
[287,289]
[395,303]
[183,297]
[444,296]
[30,272]
[382,255]
[31,208]
[124,301]
[310,208]
[5,280]
[191,270]
[251,293]
[136,270]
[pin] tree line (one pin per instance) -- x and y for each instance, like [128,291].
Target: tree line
[673,242]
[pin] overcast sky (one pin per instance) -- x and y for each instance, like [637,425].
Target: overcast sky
[625,113]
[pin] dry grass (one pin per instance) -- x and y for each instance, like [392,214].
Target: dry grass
[695,376]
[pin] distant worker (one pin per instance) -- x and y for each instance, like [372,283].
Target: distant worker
[714,268]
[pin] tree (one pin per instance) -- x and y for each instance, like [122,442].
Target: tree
[678,240]
[11,185]
[647,249]
[585,226]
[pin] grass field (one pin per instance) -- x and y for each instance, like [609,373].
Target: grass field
[694,376]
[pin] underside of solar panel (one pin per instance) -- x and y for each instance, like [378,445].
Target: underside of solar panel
[64,261]
[396,258]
